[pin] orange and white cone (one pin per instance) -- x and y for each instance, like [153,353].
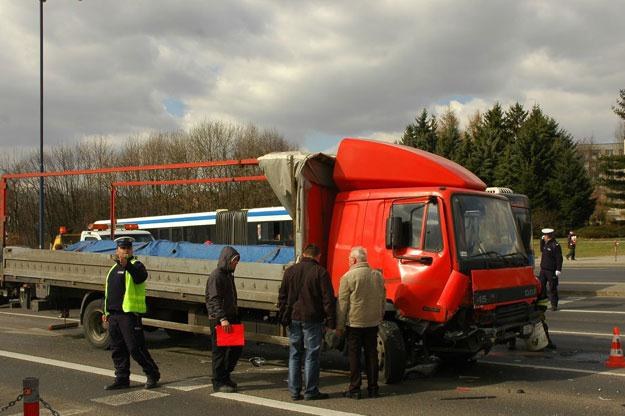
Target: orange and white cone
[616,359]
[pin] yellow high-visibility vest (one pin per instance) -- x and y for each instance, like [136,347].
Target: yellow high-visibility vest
[134,297]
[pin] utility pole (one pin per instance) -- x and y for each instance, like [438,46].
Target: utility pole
[41,189]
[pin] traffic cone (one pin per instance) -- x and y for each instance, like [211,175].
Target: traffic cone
[616,359]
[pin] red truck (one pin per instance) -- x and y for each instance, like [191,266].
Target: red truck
[458,279]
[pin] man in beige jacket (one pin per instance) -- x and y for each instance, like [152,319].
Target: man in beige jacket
[360,310]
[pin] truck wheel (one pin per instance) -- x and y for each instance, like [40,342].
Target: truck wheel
[92,325]
[391,353]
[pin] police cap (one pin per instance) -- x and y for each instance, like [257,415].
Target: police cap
[124,242]
[547,231]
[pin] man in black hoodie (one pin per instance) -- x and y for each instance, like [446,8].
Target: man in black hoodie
[221,303]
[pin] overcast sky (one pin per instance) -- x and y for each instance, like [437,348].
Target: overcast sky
[315,71]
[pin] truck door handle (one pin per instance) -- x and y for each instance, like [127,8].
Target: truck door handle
[427,260]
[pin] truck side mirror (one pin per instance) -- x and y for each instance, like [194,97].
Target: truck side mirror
[394,228]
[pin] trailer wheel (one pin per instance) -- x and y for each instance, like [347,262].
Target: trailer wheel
[93,329]
[391,353]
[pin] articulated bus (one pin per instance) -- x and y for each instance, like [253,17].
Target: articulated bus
[270,225]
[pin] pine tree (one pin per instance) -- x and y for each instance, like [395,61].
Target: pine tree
[468,155]
[448,135]
[421,134]
[533,159]
[619,109]
[490,143]
[612,170]
[571,186]
[513,121]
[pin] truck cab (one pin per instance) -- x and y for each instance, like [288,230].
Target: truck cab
[457,276]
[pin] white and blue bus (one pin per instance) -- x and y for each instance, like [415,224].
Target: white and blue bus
[270,225]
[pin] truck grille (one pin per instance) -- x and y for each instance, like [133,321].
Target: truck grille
[506,315]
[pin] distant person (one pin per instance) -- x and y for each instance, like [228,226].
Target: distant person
[360,310]
[306,299]
[572,242]
[124,303]
[550,265]
[221,303]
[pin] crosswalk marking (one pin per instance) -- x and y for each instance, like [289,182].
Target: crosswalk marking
[191,384]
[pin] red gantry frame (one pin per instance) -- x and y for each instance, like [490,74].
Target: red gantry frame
[189,165]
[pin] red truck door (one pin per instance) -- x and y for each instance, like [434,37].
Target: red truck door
[423,262]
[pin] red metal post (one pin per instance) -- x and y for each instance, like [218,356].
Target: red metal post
[31,396]
[3,210]
[113,222]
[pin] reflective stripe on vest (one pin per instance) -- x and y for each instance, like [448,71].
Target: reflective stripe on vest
[134,296]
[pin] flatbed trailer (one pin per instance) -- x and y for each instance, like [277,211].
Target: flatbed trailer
[175,289]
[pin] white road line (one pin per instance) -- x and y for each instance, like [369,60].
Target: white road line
[276,404]
[40,316]
[595,283]
[563,369]
[590,334]
[65,364]
[589,311]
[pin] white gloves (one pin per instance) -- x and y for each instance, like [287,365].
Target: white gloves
[558,273]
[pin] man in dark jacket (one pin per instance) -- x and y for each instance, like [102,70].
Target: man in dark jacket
[307,287]
[124,302]
[550,265]
[221,303]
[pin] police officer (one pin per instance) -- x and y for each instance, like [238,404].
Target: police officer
[550,265]
[124,302]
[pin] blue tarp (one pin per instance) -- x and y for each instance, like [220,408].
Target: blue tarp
[164,248]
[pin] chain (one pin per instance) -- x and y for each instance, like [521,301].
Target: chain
[47,406]
[11,403]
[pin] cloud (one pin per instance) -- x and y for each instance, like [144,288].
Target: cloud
[312,70]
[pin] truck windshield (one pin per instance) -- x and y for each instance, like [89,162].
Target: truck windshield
[486,234]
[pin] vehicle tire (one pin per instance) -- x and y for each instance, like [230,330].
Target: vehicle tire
[391,353]
[92,326]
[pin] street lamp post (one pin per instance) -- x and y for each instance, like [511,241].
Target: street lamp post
[41,190]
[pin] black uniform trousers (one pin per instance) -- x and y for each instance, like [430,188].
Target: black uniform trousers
[224,359]
[549,281]
[357,340]
[127,340]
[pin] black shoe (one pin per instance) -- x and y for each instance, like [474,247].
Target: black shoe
[352,394]
[551,346]
[118,385]
[152,382]
[231,383]
[373,393]
[297,398]
[318,396]
[224,388]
